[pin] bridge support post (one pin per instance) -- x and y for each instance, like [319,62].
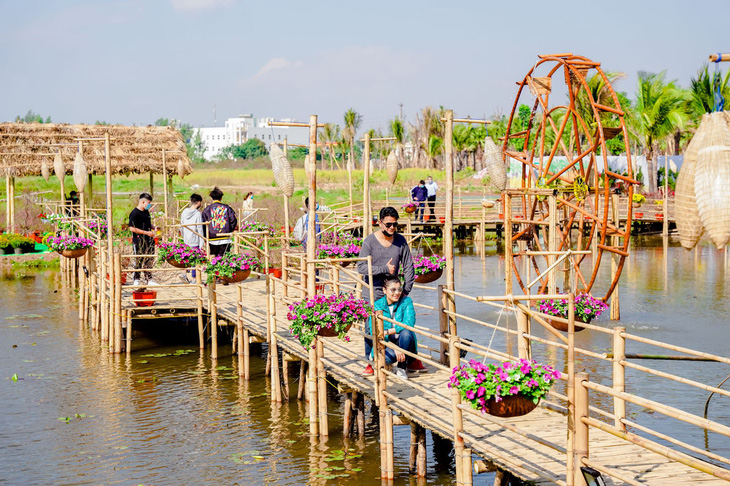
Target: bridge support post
[418,450]
[213,304]
[359,405]
[384,413]
[201,323]
[581,430]
[273,348]
[466,467]
[322,391]
[312,390]
[524,346]
[619,376]
[456,413]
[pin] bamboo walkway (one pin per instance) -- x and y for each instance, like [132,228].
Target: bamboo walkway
[494,439]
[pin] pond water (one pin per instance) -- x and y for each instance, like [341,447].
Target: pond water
[166,415]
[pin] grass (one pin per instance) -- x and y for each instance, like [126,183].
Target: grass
[38,264]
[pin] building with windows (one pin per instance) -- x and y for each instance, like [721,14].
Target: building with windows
[238,130]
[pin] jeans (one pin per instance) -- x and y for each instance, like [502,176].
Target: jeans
[420,210]
[406,340]
[144,246]
[431,204]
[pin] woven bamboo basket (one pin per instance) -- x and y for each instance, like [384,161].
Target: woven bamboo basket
[283,174]
[58,168]
[45,171]
[712,179]
[391,165]
[181,169]
[496,168]
[689,224]
[81,175]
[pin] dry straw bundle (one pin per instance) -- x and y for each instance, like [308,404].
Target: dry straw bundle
[496,168]
[712,179]
[689,224]
[80,172]
[391,165]
[283,174]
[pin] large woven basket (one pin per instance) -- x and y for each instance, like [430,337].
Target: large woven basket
[283,174]
[80,173]
[45,171]
[712,179]
[181,169]
[496,168]
[391,165]
[689,224]
[58,168]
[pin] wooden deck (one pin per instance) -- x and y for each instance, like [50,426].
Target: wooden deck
[488,437]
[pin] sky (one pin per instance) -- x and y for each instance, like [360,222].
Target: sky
[134,61]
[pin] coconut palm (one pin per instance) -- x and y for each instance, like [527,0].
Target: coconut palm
[329,135]
[660,111]
[435,144]
[353,120]
[702,91]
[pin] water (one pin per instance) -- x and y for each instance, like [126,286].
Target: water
[173,418]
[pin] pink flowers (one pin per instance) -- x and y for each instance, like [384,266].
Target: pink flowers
[69,242]
[181,253]
[350,250]
[228,264]
[423,265]
[334,312]
[586,307]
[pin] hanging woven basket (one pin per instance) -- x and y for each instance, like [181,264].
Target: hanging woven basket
[81,175]
[45,171]
[496,168]
[181,169]
[58,168]
[712,179]
[391,165]
[283,174]
[687,217]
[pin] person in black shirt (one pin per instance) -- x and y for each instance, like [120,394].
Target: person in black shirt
[143,237]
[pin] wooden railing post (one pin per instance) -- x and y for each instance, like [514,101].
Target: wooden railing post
[385,414]
[456,413]
[117,303]
[199,289]
[524,345]
[312,385]
[103,301]
[580,448]
[285,273]
[213,305]
[443,324]
[619,376]
[273,346]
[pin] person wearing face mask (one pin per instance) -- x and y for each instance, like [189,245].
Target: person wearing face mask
[431,188]
[301,228]
[390,253]
[143,238]
[419,194]
[248,204]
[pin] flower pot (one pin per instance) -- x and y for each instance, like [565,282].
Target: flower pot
[501,216]
[429,277]
[276,272]
[487,204]
[659,216]
[73,253]
[510,406]
[410,209]
[238,276]
[144,298]
[178,264]
[562,326]
[638,215]
[123,280]
[327,332]
[319,288]
[18,251]
[8,250]
[637,205]
[442,219]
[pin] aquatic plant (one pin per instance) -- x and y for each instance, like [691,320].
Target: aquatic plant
[180,253]
[586,307]
[226,265]
[477,382]
[423,264]
[335,313]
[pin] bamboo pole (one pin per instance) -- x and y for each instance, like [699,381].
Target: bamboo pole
[152,184]
[718,57]
[422,455]
[128,345]
[312,385]
[367,219]
[8,202]
[619,376]
[507,212]
[581,434]
[12,204]
[109,200]
[570,392]
[286,220]
[322,391]
[443,324]
[524,347]
[164,179]
[273,348]
[553,242]
[117,303]
[103,296]
[201,324]
[456,413]
[213,306]
[665,219]
[311,226]
[615,306]
[239,331]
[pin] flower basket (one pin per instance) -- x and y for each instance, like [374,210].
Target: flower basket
[178,264]
[74,253]
[586,308]
[231,268]
[428,269]
[509,389]
[326,316]
[238,276]
[337,251]
[487,204]
[70,246]
[144,298]
[180,255]
[410,207]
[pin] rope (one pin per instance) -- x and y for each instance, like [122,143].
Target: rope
[499,318]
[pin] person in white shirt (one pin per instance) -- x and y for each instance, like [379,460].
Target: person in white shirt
[431,187]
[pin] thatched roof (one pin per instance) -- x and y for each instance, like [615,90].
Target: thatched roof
[24,146]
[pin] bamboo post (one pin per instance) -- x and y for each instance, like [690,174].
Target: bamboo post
[286,220]
[152,184]
[322,391]
[414,448]
[367,220]
[553,241]
[466,467]
[347,415]
[421,458]
[359,400]
[128,345]
[103,301]
[302,379]
[312,385]
[581,450]
[619,376]
[456,412]
[311,226]
[274,348]
[665,219]
[507,212]
[615,306]
[213,306]
[385,414]
[242,343]
[109,200]
[117,303]
[443,324]
[164,179]
[285,274]
[570,392]
[350,164]
[448,235]
[8,202]
[246,355]
[523,331]
[12,204]
[483,233]
[201,323]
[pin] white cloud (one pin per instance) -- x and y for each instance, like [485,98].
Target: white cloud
[276,64]
[196,5]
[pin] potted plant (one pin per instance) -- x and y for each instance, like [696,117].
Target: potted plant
[231,268]
[21,244]
[428,269]
[5,246]
[98,227]
[410,207]
[144,297]
[180,255]
[251,226]
[586,308]
[349,250]
[638,199]
[70,246]
[507,390]
[326,316]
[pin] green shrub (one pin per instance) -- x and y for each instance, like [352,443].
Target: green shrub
[4,242]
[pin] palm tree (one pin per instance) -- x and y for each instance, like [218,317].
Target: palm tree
[435,144]
[329,135]
[660,111]
[702,91]
[398,132]
[353,120]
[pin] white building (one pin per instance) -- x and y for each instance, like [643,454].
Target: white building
[238,130]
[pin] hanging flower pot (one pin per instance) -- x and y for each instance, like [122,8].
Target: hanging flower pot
[231,268]
[510,406]
[410,207]
[238,276]
[428,269]
[144,298]
[350,249]
[326,316]
[487,204]
[562,326]
[586,308]
[70,246]
[180,255]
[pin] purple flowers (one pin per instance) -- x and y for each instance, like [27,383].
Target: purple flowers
[586,307]
[348,250]
[181,253]
[423,265]
[69,242]
[410,204]
[479,383]
[334,312]
[228,264]
[252,226]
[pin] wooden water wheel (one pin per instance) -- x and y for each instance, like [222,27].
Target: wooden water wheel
[566,183]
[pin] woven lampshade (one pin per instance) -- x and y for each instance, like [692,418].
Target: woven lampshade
[181,169]
[80,172]
[712,179]
[58,168]
[391,166]
[283,174]
[496,168]
[45,171]
[689,224]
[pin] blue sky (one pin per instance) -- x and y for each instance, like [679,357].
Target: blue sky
[133,61]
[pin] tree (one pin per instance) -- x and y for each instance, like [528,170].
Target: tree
[660,111]
[329,135]
[196,148]
[397,131]
[435,144]
[251,149]
[353,120]
[702,91]
[32,117]
[162,122]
